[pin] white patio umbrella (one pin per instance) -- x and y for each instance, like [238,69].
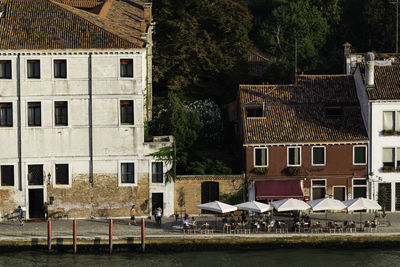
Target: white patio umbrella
[254,206]
[290,204]
[361,204]
[326,204]
[218,207]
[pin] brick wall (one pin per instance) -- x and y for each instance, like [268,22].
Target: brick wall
[190,185]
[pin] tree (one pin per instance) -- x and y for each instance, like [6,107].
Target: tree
[293,21]
[197,41]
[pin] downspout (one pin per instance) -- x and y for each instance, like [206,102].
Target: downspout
[90,91]
[19,123]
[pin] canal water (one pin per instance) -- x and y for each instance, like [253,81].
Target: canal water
[275,257]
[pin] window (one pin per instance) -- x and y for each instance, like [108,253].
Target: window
[61,113]
[294,156]
[388,120]
[255,112]
[157,172]
[318,189]
[7,175]
[35,174]
[360,155]
[34,69]
[333,112]
[260,157]
[62,174]
[388,157]
[126,68]
[339,193]
[127,173]
[359,188]
[5,69]
[126,108]
[60,68]
[318,156]
[34,114]
[6,115]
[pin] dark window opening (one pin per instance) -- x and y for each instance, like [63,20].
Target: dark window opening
[209,193]
[255,112]
[6,114]
[332,112]
[7,175]
[157,172]
[35,175]
[360,182]
[34,69]
[339,193]
[34,114]
[61,113]
[60,68]
[126,107]
[62,174]
[261,157]
[318,155]
[360,155]
[5,69]
[127,173]
[126,68]
[318,182]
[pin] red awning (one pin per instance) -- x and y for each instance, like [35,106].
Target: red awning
[278,190]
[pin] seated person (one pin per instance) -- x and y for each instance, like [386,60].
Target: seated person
[225,220]
[193,222]
[185,222]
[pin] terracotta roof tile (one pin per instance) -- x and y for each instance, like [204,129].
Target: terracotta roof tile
[387,82]
[46,24]
[297,113]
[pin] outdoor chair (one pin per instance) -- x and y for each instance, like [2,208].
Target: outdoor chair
[186,229]
[316,228]
[369,226]
[246,228]
[282,227]
[349,226]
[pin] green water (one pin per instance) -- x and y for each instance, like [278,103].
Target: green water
[277,257]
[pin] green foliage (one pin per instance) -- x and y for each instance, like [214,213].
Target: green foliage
[232,198]
[382,198]
[208,166]
[260,170]
[181,197]
[196,41]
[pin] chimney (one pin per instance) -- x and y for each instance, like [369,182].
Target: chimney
[369,69]
[147,12]
[347,59]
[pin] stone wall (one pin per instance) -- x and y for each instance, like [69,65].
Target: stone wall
[190,187]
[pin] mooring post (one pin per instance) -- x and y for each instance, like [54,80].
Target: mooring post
[110,235]
[74,236]
[49,235]
[143,236]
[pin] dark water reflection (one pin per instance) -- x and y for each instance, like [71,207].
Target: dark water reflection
[278,257]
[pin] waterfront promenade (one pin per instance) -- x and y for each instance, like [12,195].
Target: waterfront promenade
[95,232]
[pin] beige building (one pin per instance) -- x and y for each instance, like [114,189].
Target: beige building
[75,95]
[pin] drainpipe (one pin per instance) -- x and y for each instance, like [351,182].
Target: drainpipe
[90,130]
[19,123]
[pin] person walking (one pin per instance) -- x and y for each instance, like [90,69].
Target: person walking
[45,209]
[158,216]
[20,216]
[133,215]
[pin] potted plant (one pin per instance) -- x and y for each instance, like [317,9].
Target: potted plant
[388,132]
[292,171]
[260,170]
[388,169]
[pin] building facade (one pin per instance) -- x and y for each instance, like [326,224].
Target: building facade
[74,97]
[378,89]
[304,141]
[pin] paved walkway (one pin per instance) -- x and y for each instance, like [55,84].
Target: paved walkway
[10,230]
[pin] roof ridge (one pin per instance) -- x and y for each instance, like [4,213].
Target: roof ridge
[61,5]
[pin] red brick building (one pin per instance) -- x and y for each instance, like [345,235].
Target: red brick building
[304,141]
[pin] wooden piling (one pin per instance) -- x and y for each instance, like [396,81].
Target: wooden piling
[74,237]
[110,235]
[49,235]
[143,236]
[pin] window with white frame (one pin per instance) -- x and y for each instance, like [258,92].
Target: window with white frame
[61,113]
[294,156]
[359,188]
[60,68]
[62,174]
[6,119]
[391,158]
[261,157]
[7,175]
[126,111]
[34,114]
[127,173]
[157,172]
[126,68]
[360,155]
[318,155]
[33,69]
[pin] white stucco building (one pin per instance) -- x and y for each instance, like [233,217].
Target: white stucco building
[75,95]
[378,89]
